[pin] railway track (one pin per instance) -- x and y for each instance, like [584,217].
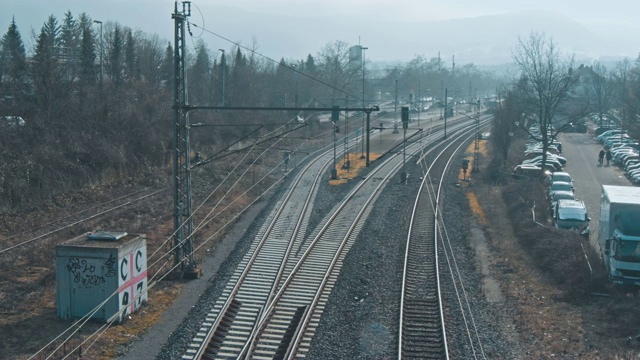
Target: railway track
[275,299]
[422,333]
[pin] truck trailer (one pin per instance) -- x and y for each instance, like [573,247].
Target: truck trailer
[619,235]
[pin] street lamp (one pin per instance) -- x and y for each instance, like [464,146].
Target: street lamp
[100,22]
[363,61]
[223,61]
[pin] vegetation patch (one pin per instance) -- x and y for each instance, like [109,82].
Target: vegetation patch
[356,164]
[476,208]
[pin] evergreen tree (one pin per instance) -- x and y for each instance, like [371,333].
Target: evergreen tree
[199,76]
[310,65]
[45,68]
[167,67]
[88,69]
[130,59]
[13,66]
[115,56]
[70,40]
[238,80]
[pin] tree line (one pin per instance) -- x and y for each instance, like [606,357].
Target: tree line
[96,99]
[554,92]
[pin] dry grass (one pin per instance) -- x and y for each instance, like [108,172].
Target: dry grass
[27,274]
[542,273]
[356,164]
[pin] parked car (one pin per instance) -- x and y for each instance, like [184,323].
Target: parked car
[557,166]
[618,155]
[559,176]
[560,159]
[530,172]
[602,129]
[560,195]
[12,121]
[614,139]
[559,186]
[626,156]
[579,127]
[605,135]
[536,153]
[572,214]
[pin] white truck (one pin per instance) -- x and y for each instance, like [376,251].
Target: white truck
[619,234]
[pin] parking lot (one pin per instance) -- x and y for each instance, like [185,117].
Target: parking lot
[581,151]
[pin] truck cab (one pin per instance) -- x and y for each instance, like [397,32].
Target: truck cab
[619,234]
[623,253]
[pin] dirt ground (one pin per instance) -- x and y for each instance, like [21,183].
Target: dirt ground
[543,321]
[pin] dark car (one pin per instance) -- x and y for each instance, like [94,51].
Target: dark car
[577,128]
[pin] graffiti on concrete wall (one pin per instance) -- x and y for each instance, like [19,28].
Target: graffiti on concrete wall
[84,272]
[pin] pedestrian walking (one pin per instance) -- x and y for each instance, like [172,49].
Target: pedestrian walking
[608,156]
[600,157]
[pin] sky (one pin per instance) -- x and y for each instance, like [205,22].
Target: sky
[390,28]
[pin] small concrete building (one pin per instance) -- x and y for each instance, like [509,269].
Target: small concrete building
[101,274]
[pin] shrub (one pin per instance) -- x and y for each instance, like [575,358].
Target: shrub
[555,252]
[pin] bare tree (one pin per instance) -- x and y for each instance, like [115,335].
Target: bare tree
[507,116]
[544,86]
[599,90]
[621,76]
[336,70]
[632,101]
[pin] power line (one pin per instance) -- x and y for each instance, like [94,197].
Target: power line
[276,62]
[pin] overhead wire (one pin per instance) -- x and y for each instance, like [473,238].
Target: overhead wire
[79,221]
[200,226]
[32,229]
[152,282]
[275,62]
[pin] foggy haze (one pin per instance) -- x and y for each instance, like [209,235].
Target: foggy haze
[480,32]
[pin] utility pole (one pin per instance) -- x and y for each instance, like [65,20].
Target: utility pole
[453,76]
[476,149]
[223,63]
[335,116]
[405,125]
[101,47]
[363,63]
[395,111]
[441,88]
[347,162]
[182,216]
[445,111]
[419,102]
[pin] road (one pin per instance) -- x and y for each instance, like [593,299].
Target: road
[581,151]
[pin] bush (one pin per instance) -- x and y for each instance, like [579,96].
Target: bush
[557,253]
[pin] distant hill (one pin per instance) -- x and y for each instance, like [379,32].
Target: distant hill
[482,40]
